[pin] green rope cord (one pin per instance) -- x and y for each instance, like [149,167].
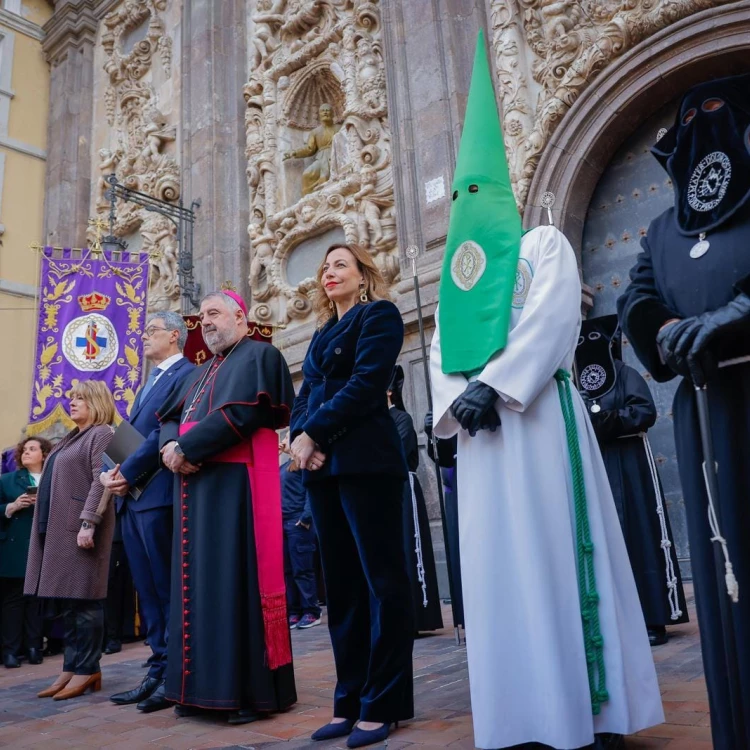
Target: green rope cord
[592,636]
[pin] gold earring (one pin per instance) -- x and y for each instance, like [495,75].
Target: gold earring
[363,294]
[330,305]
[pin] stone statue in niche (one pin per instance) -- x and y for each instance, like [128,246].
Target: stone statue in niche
[318,145]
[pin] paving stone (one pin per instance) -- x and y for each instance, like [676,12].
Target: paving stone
[441,688]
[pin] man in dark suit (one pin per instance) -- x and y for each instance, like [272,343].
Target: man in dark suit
[147,520]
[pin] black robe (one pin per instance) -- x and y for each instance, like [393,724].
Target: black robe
[429,616]
[216,651]
[446,461]
[627,410]
[668,283]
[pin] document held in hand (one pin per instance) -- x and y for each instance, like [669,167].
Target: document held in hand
[125,442]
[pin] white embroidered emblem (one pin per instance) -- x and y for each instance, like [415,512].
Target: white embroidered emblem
[90,343]
[709,182]
[524,276]
[468,265]
[593,377]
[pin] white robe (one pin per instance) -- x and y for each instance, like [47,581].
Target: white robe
[527,666]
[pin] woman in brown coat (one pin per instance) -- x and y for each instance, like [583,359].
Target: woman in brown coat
[70,541]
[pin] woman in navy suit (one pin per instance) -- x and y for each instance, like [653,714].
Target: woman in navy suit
[354,469]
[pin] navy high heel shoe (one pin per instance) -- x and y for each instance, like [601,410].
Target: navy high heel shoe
[331,731]
[361,737]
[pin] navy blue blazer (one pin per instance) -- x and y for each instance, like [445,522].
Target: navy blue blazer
[145,461]
[342,404]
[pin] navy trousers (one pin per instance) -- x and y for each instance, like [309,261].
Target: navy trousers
[299,570]
[147,536]
[370,611]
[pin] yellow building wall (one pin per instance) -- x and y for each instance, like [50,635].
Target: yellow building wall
[37,11]
[22,214]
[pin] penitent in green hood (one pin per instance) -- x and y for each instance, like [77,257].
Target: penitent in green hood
[484,237]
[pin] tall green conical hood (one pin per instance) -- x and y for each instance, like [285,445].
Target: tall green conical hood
[484,237]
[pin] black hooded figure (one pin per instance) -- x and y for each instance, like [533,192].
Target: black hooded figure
[420,560]
[621,410]
[687,312]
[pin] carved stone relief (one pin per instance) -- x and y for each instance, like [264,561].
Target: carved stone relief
[318,145]
[136,57]
[548,51]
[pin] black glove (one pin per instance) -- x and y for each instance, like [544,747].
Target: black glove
[490,420]
[686,345]
[428,424]
[471,407]
[675,340]
[729,321]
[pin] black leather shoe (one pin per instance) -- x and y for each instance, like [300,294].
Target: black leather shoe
[609,742]
[35,656]
[137,695]
[182,711]
[657,636]
[244,716]
[156,701]
[113,647]
[11,661]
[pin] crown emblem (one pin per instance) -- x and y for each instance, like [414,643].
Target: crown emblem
[94,301]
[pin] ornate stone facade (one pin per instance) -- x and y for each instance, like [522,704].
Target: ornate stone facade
[306,54]
[548,51]
[135,52]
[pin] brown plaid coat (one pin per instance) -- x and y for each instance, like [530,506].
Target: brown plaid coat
[61,568]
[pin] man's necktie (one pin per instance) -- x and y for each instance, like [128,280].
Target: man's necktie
[149,384]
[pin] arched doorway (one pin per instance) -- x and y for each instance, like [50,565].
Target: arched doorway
[632,190]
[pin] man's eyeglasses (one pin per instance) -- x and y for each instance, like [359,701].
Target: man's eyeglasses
[151,330]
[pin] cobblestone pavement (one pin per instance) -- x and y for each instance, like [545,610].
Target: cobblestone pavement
[441,697]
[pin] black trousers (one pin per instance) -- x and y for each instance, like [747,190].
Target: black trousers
[370,609]
[22,619]
[299,570]
[83,620]
[119,612]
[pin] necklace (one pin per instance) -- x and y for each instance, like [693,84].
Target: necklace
[700,248]
[208,377]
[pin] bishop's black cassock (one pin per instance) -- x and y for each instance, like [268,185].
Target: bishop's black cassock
[707,154]
[621,410]
[229,644]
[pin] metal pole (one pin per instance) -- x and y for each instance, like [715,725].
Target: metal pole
[412,252]
[723,569]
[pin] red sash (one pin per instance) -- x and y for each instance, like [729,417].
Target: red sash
[260,455]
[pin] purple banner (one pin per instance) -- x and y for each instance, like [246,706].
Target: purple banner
[92,310]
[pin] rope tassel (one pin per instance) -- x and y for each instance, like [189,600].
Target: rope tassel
[592,636]
[418,541]
[666,545]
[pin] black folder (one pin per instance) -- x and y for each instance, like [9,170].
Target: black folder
[125,442]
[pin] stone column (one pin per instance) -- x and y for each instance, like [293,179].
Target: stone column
[429,51]
[214,70]
[69,48]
